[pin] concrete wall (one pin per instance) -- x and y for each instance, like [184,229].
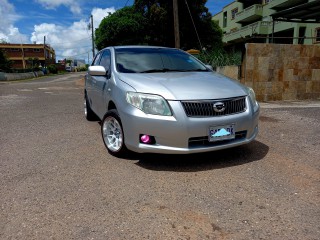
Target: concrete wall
[19,76]
[282,72]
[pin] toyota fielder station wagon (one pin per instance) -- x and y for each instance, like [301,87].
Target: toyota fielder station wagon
[164,100]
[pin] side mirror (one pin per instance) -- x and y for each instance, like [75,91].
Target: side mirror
[97,71]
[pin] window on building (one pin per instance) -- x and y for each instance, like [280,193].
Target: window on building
[317,34]
[36,49]
[15,49]
[225,18]
[233,13]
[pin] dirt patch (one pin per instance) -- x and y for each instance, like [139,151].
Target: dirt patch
[268,119]
[80,82]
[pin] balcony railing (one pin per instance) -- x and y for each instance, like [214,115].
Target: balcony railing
[285,4]
[257,28]
[250,14]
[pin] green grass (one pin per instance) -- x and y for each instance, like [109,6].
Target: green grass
[219,57]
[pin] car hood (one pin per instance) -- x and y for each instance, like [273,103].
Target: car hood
[185,86]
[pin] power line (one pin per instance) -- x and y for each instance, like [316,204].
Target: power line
[64,42]
[79,54]
[77,47]
[194,25]
[126,3]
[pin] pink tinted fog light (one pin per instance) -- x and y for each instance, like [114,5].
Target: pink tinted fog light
[145,138]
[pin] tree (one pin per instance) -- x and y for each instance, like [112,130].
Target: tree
[160,23]
[125,26]
[5,63]
[53,68]
[34,63]
[151,22]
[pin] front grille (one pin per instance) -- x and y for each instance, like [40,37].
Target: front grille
[204,142]
[205,108]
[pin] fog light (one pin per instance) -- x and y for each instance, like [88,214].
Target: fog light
[147,139]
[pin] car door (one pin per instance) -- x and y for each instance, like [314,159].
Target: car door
[103,82]
[91,82]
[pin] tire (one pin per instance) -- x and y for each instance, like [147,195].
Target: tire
[88,113]
[112,134]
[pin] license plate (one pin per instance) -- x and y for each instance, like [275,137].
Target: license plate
[219,133]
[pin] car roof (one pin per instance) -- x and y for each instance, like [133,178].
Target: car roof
[139,46]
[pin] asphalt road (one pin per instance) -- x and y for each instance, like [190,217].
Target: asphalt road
[59,182]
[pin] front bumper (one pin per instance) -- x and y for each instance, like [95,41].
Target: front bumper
[179,134]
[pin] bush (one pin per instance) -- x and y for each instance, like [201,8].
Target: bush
[83,69]
[219,57]
[5,63]
[53,69]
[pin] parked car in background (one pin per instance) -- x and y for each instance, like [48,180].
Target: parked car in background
[163,100]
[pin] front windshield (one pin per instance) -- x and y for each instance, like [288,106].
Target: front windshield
[147,60]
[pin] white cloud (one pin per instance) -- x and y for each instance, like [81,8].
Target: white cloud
[68,41]
[99,14]
[52,4]
[8,32]
[72,41]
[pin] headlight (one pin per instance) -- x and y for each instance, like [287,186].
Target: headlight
[252,96]
[149,104]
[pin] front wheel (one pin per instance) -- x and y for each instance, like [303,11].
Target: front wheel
[112,134]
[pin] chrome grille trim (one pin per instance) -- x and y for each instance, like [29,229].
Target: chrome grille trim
[204,108]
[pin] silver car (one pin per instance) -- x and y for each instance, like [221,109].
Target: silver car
[163,100]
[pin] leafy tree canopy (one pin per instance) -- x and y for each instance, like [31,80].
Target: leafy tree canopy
[151,22]
[191,13]
[125,26]
[5,63]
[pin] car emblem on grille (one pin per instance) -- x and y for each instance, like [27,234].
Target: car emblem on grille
[219,107]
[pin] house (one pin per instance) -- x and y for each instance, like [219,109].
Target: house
[21,54]
[71,64]
[79,63]
[270,21]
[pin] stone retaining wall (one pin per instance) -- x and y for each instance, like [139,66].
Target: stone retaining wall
[282,72]
[19,76]
[229,71]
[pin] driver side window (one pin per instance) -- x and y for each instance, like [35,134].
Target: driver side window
[96,60]
[106,60]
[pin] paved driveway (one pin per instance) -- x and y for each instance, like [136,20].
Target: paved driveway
[59,182]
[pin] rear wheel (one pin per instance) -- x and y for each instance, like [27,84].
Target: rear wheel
[112,134]
[88,113]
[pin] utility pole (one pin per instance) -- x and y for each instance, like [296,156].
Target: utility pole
[44,50]
[93,53]
[176,24]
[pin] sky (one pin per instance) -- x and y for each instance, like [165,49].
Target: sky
[63,22]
